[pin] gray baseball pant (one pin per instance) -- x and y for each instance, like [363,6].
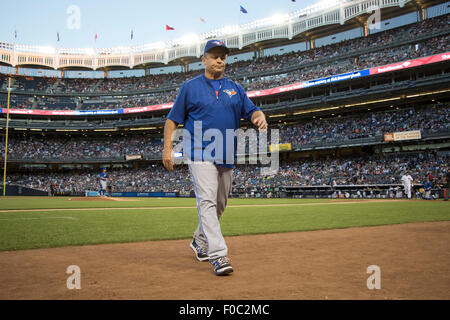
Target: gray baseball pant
[212,185]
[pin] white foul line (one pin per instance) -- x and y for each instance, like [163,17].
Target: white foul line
[68,218]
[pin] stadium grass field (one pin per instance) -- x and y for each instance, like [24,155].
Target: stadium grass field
[43,222]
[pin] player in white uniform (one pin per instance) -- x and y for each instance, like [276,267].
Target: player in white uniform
[407,182]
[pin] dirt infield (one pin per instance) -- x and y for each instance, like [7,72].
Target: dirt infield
[328,264]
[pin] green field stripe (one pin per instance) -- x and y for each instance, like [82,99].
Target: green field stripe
[10,203]
[36,229]
[341,202]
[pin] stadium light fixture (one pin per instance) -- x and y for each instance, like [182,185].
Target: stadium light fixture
[150,46]
[143,128]
[229,30]
[46,49]
[315,110]
[277,115]
[121,50]
[159,45]
[188,39]
[278,19]
[325,4]
[427,93]
[89,51]
[369,102]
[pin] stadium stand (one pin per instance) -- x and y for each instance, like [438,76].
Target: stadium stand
[428,119]
[364,170]
[395,45]
[336,131]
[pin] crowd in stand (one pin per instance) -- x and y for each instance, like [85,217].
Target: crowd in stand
[348,171]
[368,60]
[81,147]
[242,71]
[430,118]
[377,169]
[145,179]
[334,129]
[388,37]
[340,66]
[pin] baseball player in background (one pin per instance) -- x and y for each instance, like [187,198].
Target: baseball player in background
[428,186]
[407,182]
[103,179]
[447,184]
[219,103]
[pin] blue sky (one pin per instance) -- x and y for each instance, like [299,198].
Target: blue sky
[37,21]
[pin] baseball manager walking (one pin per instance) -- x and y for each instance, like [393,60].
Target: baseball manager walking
[218,103]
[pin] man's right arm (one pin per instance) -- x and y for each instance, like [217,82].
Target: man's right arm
[167,157]
[177,113]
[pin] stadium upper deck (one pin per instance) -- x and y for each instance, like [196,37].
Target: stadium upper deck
[416,33]
[425,39]
[304,25]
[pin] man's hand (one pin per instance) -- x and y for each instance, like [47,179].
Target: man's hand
[259,120]
[167,159]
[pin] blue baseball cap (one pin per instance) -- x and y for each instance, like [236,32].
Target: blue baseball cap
[215,43]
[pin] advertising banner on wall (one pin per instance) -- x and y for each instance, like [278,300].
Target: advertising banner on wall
[404,135]
[258,93]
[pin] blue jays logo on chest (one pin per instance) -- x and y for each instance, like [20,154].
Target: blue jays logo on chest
[230,93]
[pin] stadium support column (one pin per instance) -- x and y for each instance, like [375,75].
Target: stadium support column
[240,40]
[341,12]
[261,52]
[258,53]
[421,11]
[310,43]
[166,57]
[186,67]
[422,14]
[363,25]
[290,30]
[6,138]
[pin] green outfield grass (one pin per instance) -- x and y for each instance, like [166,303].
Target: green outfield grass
[68,222]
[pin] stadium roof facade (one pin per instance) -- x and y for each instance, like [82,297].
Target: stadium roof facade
[304,25]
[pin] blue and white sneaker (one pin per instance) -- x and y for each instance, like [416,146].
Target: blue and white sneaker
[200,252]
[221,266]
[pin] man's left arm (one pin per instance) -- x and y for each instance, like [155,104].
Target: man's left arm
[259,120]
[252,112]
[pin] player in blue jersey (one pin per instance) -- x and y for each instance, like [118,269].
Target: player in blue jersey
[428,186]
[216,103]
[103,181]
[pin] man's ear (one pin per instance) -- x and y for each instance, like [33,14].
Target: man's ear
[204,59]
